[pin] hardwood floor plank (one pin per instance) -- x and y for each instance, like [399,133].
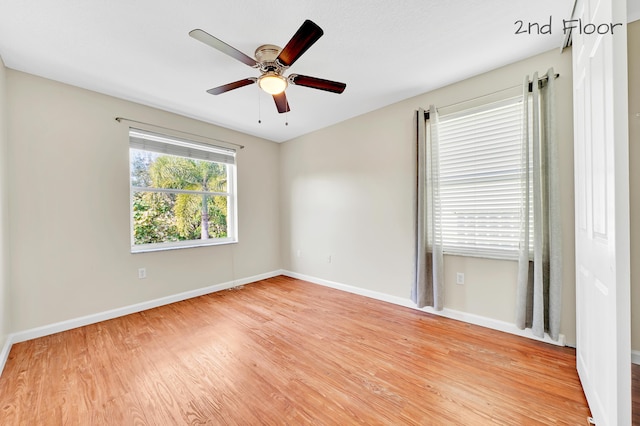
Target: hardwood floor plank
[283,351]
[635,394]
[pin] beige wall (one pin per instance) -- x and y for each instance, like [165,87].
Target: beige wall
[4,240]
[633,46]
[69,207]
[347,191]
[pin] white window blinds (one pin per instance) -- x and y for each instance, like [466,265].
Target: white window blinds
[480,186]
[163,144]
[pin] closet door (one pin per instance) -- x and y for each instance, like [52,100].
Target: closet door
[601,157]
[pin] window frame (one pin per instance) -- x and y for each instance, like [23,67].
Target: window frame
[184,148]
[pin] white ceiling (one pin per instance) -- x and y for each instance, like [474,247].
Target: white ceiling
[385,51]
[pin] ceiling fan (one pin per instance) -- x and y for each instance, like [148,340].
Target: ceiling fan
[272,62]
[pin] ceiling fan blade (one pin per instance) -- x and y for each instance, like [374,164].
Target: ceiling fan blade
[303,39]
[317,83]
[281,102]
[230,86]
[216,43]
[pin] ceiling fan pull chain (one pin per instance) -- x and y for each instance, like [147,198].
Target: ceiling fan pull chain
[286,118]
[259,108]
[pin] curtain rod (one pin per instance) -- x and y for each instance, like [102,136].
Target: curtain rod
[121,119]
[542,78]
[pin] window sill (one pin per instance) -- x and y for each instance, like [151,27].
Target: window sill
[146,248]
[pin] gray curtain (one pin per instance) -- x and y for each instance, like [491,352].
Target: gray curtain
[428,288]
[539,288]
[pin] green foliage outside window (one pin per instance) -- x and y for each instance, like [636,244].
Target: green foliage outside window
[177,216]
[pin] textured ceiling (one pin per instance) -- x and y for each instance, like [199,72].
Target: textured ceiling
[385,51]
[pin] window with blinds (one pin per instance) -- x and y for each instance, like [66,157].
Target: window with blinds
[480,186]
[182,192]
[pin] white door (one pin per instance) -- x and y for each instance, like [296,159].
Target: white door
[602,209]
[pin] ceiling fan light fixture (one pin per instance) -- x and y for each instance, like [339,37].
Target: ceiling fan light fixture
[272,83]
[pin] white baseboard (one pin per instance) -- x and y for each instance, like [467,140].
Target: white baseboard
[635,357]
[448,313]
[4,355]
[351,289]
[46,330]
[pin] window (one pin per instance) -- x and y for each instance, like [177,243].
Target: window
[182,193]
[480,180]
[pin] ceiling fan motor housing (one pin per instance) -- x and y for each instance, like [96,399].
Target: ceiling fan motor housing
[267,53]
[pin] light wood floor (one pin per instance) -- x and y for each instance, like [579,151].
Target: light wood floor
[283,351]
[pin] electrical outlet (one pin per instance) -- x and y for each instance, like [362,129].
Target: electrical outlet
[329,259]
[142,273]
[460,278]
[298,253]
